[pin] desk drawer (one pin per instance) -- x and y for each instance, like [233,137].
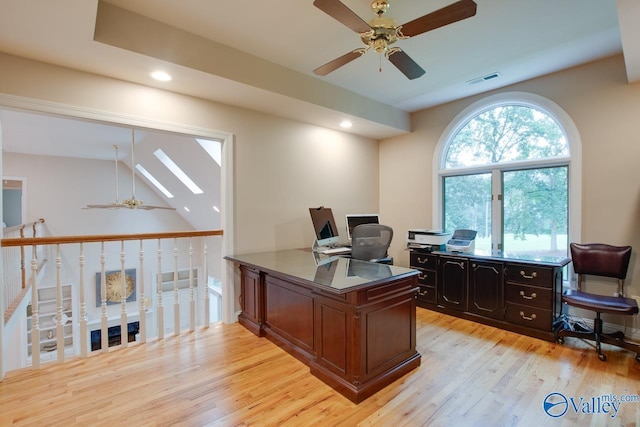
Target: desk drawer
[531,317]
[530,274]
[530,296]
[427,294]
[424,261]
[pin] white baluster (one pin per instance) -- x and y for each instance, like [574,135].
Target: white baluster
[35,316]
[124,330]
[159,292]
[207,316]
[59,325]
[83,307]
[176,295]
[143,308]
[104,330]
[192,300]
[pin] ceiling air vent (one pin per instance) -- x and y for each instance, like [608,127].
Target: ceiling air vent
[484,78]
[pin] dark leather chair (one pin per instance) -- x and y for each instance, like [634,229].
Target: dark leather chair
[599,259]
[370,242]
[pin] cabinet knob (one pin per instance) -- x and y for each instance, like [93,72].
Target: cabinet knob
[532,276]
[533,316]
[533,295]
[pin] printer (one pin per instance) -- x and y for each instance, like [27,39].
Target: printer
[430,240]
[462,241]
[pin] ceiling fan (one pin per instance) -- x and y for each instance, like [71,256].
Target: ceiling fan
[381,32]
[131,203]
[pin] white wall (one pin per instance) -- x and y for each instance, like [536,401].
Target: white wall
[282,167]
[606,112]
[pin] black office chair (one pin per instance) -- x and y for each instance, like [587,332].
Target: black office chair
[370,242]
[598,259]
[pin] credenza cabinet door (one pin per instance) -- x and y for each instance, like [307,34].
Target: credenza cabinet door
[486,289]
[452,282]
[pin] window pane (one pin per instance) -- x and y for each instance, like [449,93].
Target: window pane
[506,134]
[467,205]
[535,211]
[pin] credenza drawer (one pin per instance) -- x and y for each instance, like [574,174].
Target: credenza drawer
[531,296]
[532,317]
[530,274]
[421,260]
[427,294]
[427,277]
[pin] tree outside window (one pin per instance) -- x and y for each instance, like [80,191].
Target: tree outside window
[518,156]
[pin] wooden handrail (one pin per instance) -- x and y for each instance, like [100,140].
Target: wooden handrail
[53,240]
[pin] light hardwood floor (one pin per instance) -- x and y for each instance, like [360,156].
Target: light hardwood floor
[471,375]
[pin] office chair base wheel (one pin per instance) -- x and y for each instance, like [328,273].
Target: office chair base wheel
[560,340]
[602,357]
[638,357]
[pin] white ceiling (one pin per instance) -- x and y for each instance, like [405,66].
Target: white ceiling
[272,47]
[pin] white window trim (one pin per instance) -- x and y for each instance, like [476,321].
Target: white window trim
[525,99]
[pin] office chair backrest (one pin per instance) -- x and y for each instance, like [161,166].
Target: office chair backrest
[370,241]
[600,259]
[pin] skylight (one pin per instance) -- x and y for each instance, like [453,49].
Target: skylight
[154,181]
[179,173]
[213,148]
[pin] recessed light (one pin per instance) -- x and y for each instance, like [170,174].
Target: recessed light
[161,76]
[215,208]
[187,209]
[346,124]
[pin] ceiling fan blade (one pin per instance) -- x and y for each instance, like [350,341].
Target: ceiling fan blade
[338,62]
[150,207]
[405,64]
[455,12]
[341,13]
[107,206]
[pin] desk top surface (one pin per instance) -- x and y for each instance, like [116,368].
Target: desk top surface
[335,273]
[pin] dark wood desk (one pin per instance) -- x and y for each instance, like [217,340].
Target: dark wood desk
[352,322]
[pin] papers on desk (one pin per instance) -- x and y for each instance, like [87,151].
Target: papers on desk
[341,250]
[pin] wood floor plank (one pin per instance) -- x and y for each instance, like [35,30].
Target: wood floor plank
[471,375]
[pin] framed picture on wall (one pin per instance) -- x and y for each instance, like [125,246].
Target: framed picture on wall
[113,281]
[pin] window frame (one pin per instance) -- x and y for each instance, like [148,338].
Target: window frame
[573,160]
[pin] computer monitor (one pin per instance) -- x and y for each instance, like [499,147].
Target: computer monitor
[354,220]
[324,226]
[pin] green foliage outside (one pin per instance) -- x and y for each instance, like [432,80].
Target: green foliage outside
[535,198]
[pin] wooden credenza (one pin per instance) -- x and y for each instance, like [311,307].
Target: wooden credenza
[352,322]
[517,293]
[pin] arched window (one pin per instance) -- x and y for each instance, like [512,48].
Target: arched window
[506,167]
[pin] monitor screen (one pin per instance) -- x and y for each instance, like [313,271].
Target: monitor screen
[354,220]
[324,226]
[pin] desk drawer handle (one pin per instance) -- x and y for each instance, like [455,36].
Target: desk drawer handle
[423,260]
[423,294]
[533,316]
[533,295]
[422,276]
[533,275]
